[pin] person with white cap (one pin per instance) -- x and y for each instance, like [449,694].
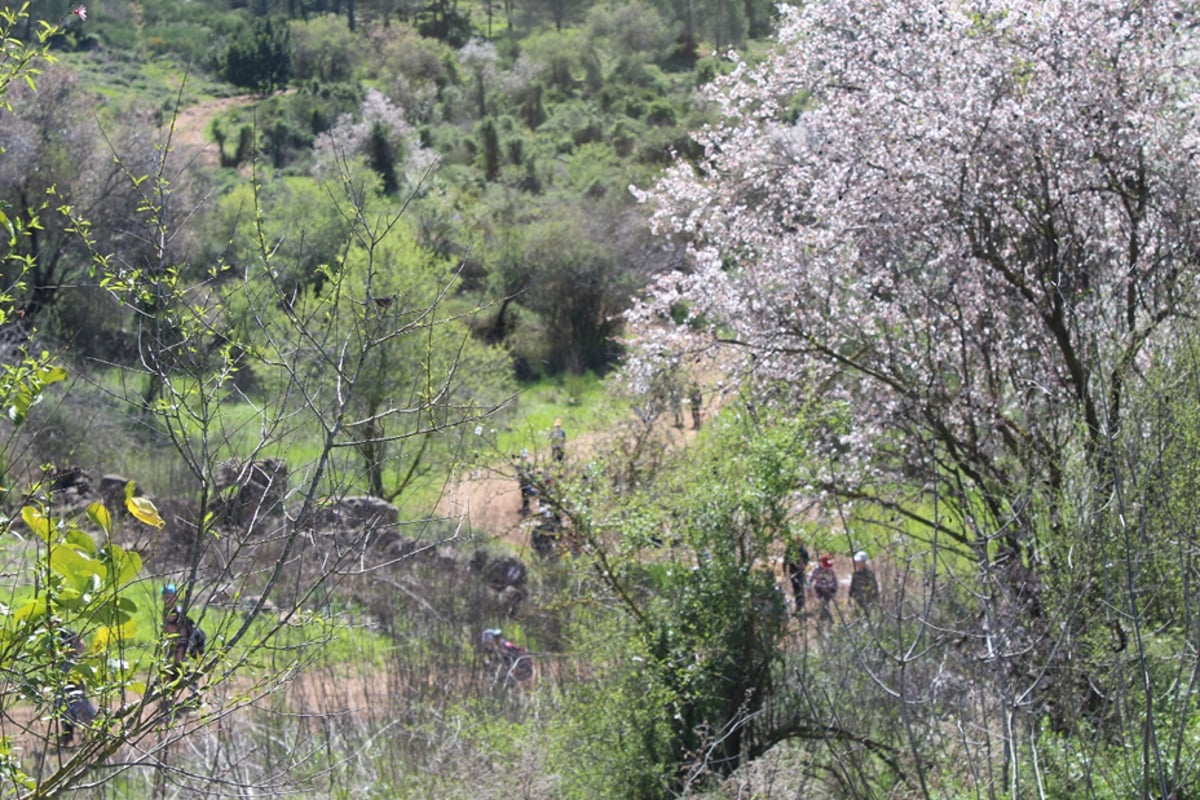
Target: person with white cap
[864,588]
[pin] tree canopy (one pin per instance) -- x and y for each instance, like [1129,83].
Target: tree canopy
[972,225]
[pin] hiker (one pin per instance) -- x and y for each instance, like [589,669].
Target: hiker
[864,588]
[694,400]
[511,660]
[795,561]
[525,479]
[545,534]
[74,707]
[824,584]
[558,441]
[183,641]
[676,404]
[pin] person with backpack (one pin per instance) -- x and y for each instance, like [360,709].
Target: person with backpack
[526,481]
[795,561]
[74,707]
[544,537]
[183,641]
[864,588]
[558,441]
[824,585]
[512,662]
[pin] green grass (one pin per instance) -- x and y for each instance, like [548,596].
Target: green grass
[582,402]
[125,81]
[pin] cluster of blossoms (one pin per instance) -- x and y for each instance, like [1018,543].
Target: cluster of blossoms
[971,220]
[351,137]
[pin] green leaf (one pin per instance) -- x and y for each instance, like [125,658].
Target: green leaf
[32,610]
[113,613]
[125,564]
[81,541]
[98,513]
[81,571]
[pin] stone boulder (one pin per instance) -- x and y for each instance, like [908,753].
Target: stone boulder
[251,490]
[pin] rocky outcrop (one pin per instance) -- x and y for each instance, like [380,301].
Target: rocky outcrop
[250,490]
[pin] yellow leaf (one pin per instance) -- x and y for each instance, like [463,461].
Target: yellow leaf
[111,636]
[143,508]
[38,522]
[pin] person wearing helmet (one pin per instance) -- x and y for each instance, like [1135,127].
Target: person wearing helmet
[183,645]
[558,441]
[864,588]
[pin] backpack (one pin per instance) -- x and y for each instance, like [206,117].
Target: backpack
[196,640]
[518,661]
[191,634]
[824,583]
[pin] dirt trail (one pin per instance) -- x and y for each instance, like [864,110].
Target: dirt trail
[489,499]
[191,126]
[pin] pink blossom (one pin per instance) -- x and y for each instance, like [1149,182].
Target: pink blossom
[81,12]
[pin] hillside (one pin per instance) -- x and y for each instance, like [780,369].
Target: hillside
[280,383]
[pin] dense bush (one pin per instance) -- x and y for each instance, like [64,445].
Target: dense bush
[259,58]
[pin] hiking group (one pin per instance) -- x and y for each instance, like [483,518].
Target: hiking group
[183,644]
[823,582]
[534,482]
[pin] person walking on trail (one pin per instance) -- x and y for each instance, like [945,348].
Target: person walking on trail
[674,395]
[511,662]
[864,588]
[824,585]
[183,642]
[695,400]
[74,707]
[544,537]
[558,441]
[795,561]
[525,480]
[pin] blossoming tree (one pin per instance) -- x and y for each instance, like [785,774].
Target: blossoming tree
[971,224]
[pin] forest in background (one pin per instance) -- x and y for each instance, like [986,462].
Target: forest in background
[938,263]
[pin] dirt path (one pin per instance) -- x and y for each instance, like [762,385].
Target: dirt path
[489,499]
[190,132]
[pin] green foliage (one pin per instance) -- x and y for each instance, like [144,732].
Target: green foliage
[324,49]
[22,384]
[445,21]
[191,42]
[622,712]
[700,642]
[416,368]
[260,57]
[311,224]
